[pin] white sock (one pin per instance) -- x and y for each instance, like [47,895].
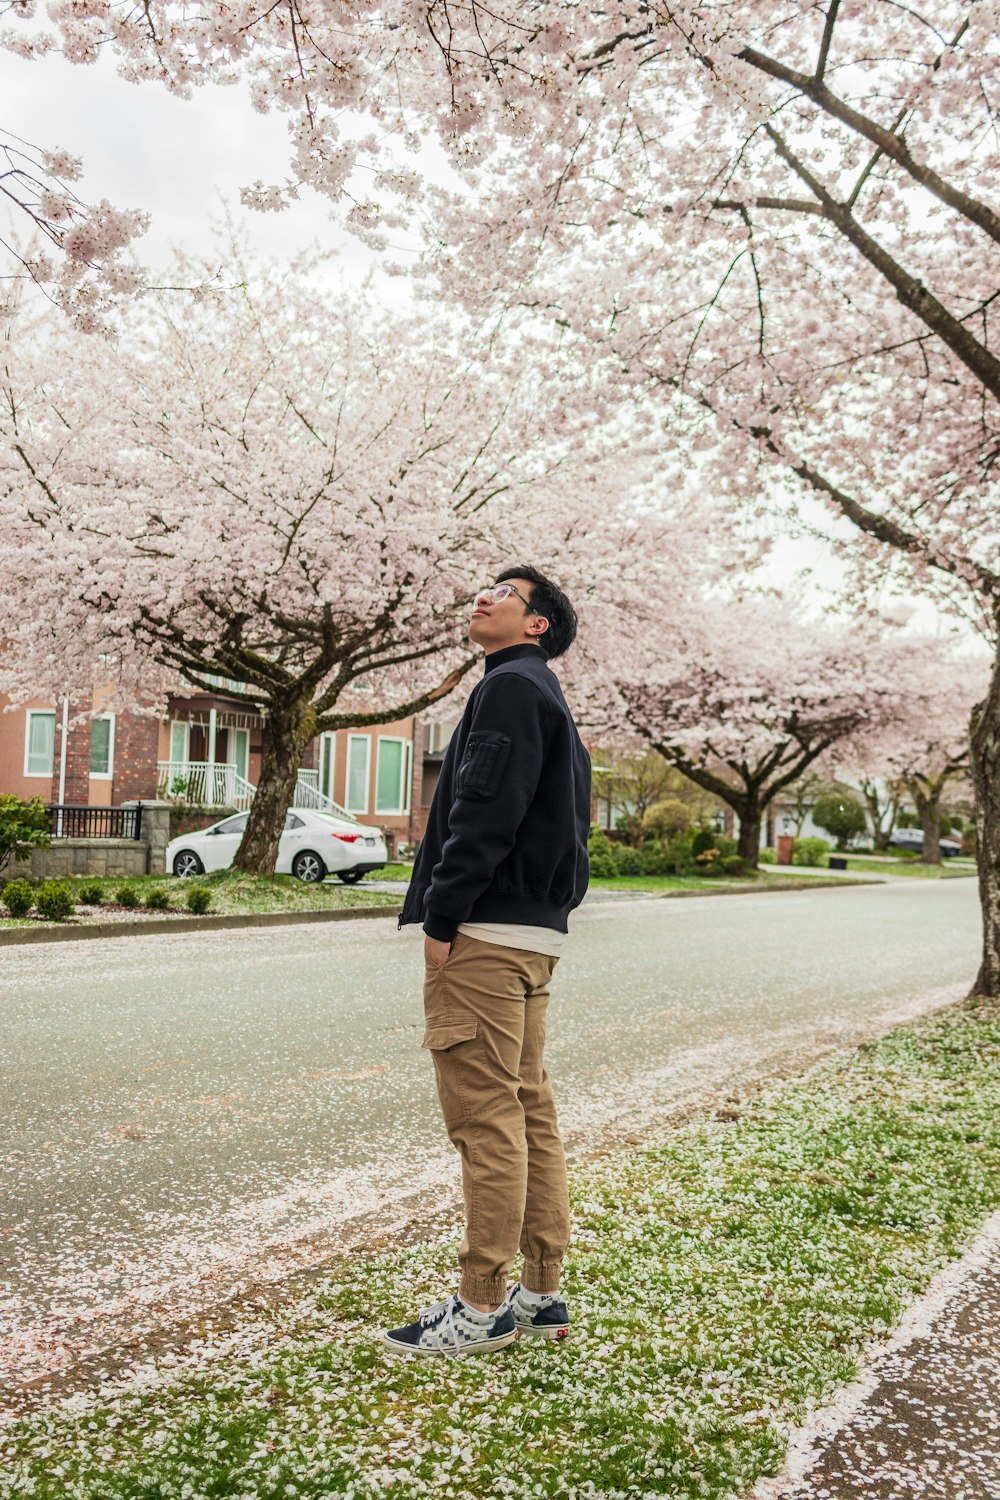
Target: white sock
[534,1298]
[474,1311]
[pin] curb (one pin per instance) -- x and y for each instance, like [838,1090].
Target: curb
[807,883]
[15,935]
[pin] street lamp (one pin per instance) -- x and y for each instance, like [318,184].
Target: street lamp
[719,820]
[786,822]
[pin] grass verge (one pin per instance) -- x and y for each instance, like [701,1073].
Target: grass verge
[725,1278]
[910,868]
[657,885]
[231,894]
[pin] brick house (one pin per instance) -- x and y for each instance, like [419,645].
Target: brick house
[206,752]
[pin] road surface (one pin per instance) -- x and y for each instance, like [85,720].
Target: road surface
[187,1116]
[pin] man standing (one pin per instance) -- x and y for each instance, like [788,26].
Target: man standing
[502,864]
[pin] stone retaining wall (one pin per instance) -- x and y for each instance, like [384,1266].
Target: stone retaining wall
[116,859]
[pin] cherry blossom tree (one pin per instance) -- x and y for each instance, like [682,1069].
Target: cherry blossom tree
[924,751]
[744,696]
[79,252]
[778,221]
[296,496]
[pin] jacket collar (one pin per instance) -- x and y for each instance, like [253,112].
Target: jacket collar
[512,653]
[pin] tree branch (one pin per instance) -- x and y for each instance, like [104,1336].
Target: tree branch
[910,292]
[890,144]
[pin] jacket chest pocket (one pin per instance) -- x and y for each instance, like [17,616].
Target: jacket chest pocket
[483,764]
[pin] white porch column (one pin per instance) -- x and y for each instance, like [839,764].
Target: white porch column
[210,771]
[62,766]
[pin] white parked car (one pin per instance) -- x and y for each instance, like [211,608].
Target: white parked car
[312,846]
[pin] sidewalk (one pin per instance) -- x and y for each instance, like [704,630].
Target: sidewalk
[924,1420]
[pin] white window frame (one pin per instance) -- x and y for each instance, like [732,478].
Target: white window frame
[39,713]
[109,774]
[366,740]
[179,724]
[244,769]
[400,804]
[408,776]
[327,746]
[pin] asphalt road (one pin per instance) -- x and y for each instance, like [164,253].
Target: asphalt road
[186,1117]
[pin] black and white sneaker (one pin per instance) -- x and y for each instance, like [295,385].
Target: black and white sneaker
[452,1330]
[547,1319]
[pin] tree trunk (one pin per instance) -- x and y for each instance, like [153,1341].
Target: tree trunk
[290,727]
[748,844]
[927,799]
[931,821]
[985,748]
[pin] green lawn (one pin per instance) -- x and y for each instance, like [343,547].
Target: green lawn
[705,885]
[230,894]
[725,1277]
[909,867]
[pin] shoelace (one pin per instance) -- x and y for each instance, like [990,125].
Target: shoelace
[429,1315]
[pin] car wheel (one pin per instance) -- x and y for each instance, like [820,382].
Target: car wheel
[350,877]
[188,863]
[308,866]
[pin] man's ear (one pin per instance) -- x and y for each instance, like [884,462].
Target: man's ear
[539,625]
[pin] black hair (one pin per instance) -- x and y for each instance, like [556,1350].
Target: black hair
[548,600]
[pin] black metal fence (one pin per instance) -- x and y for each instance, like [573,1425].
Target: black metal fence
[96,822]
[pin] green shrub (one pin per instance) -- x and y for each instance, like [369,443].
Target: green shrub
[54,901]
[702,840]
[841,815]
[732,864]
[658,858]
[127,896]
[198,899]
[158,901]
[767,857]
[628,861]
[809,851]
[18,897]
[669,819]
[23,826]
[602,859]
[91,895]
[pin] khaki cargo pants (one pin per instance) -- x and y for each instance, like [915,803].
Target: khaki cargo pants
[485,1029]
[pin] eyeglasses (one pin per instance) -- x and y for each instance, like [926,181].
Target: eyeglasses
[500,591]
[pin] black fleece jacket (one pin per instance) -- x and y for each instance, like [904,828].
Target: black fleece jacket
[506,837]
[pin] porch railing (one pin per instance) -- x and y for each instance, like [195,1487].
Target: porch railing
[308,795]
[220,785]
[203,783]
[72,822]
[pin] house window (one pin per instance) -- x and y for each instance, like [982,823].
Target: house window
[241,752]
[327,755]
[358,754]
[39,743]
[390,776]
[102,747]
[179,740]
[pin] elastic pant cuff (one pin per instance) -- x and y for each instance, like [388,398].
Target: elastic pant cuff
[489,1290]
[541,1276]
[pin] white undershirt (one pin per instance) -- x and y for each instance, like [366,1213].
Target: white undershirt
[516,935]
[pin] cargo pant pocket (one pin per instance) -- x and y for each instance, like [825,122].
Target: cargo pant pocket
[441,1036]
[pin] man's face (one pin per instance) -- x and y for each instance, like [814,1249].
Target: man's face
[497,623]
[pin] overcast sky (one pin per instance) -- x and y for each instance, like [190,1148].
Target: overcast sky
[179,159]
[183,161]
